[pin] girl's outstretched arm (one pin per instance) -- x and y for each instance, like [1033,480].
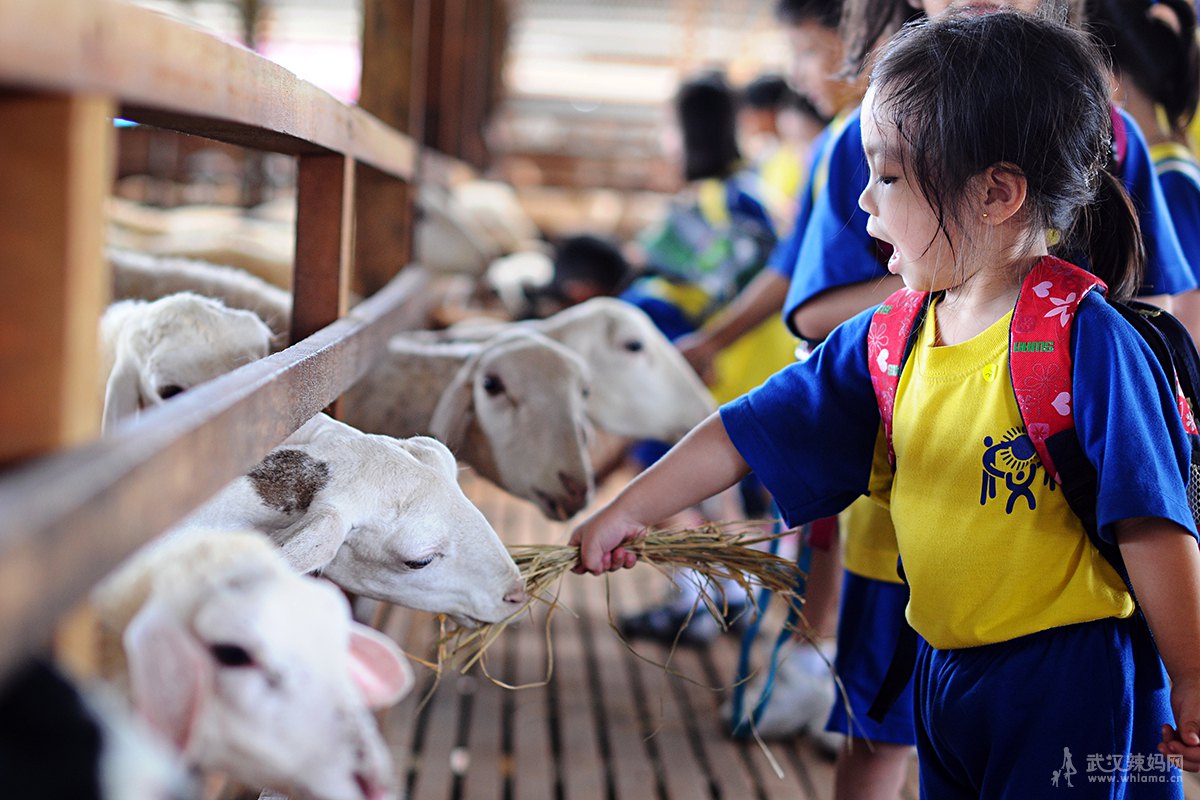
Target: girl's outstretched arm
[1164,568]
[704,463]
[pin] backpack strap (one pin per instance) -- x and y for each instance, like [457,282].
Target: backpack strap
[1173,347]
[895,326]
[1040,356]
[893,333]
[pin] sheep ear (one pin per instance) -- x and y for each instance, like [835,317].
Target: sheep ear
[312,541]
[168,673]
[453,412]
[121,393]
[379,668]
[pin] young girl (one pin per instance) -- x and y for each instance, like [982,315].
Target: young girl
[1033,661]
[840,270]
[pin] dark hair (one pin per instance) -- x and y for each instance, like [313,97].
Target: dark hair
[1162,62]
[797,12]
[766,92]
[866,23]
[805,106]
[707,112]
[584,257]
[970,91]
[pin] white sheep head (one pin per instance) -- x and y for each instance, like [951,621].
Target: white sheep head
[379,516]
[254,671]
[641,385]
[521,400]
[161,348]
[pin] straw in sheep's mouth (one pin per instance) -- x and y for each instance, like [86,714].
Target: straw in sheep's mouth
[717,552]
[467,623]
[556,508]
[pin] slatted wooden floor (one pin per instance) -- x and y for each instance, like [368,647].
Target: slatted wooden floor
[607,726]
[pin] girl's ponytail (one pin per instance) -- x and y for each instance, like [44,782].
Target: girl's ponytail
[1109,233]
[1180,103]
[1161,58]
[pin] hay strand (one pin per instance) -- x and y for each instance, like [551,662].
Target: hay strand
[715,552]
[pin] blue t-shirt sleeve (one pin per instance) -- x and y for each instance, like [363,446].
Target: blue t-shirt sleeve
[809,432]
[1167,271]
[1182,193]
[836,250]
[1127,422]
[783,259]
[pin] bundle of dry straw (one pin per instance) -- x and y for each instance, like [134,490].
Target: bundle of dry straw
[716,552]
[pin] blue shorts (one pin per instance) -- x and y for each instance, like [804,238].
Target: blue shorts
[1069,712]
[869,621]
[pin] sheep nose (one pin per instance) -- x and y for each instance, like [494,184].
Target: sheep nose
[517,595]
[576,489]
[369,789]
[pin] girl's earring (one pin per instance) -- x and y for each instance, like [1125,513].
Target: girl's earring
[985,215]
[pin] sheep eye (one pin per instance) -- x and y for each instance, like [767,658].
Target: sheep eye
[634,346]
[586,393]
[169,391]
[492,385]
[231,655]
[420,563]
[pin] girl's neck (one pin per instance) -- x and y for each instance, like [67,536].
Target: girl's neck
[985,296]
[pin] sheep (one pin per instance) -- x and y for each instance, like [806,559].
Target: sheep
[249,669]
[641,385]
[511,407]
[262,244]
[151,351]
[447,238]
[140,276]
[378,516]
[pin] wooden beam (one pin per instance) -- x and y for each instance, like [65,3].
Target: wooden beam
[324,222]
[53,287]
[389,41]
[68,519]
[394,45]
[476,81]
[453,66]
[383,229]
[189,80]
[434,77]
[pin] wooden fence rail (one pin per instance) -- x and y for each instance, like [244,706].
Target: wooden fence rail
[72,504]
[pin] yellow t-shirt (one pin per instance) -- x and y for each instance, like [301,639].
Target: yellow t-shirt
[869,541]
[990,547]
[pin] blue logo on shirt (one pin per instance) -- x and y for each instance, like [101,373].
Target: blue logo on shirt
[1013,459]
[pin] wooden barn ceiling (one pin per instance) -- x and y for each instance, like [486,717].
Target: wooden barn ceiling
[587,84]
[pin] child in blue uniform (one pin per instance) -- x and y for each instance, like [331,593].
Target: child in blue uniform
[1035,665]
[714,238]
[1155,55]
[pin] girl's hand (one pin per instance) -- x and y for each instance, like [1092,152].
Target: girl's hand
[600,537]
[1184,739]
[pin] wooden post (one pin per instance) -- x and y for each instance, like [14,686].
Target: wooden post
[324,223]
[476,81]
[454,72]
[394,49]
[54,286]
[58,165]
